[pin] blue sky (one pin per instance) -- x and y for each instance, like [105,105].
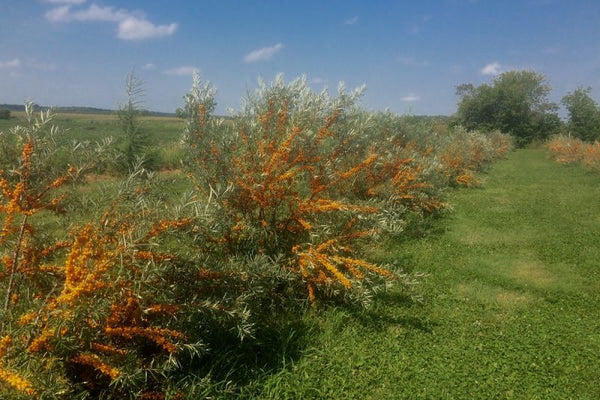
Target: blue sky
[410,54]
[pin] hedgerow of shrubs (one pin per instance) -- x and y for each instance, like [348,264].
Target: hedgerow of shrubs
[287,194]
[568,150]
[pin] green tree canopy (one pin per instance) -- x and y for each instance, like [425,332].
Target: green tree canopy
[515,102]
[584,114]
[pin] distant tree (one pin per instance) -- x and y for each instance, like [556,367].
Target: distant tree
[134,141]
[180,113]
[584,114]
[4,113]
[516,102]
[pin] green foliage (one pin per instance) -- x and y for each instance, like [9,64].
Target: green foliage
[584,114]
[4,113]
[203,133]
[516,102]
[43,134]
[134,141]
[305,178]
[279,176]
[104,131]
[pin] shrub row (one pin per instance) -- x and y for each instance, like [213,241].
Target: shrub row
[286,195]
[569,150]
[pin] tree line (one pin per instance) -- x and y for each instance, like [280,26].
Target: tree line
[516,102]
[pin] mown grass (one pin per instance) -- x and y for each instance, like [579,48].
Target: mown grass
[510,305]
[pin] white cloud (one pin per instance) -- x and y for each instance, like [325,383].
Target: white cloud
[410,98]
[351,21]
[264,54]
[14,63]
[413,62]
[58,14]
[92,13]
[491,69]
[149,67]
[132,26]
[182,71]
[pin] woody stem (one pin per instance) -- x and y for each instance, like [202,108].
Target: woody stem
[15,260]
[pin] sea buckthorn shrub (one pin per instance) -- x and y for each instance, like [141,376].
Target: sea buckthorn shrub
[39,133]
[288,192]
[419,159]
[462,154]
[304,178]
[284,181]
[569,150]
[110,310]
[121,315]
[403,180]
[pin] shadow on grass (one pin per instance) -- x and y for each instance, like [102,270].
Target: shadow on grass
[431,225]
[393,308]
[286,333]
[231,364]
[239,367]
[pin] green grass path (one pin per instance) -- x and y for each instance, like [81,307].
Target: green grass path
[511,305]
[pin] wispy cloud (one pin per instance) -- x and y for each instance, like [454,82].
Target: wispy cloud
[149,67]
[411,61]
[351,21]
[58,14]
[264,54]
[182,71]
[133,28]
[27,64]
[131,25]
[493,68]
[410,98]
[92,13]
[65,1]
[14,63]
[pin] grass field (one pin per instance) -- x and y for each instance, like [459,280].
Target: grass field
[162,133]
[509,310]
[160,130]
